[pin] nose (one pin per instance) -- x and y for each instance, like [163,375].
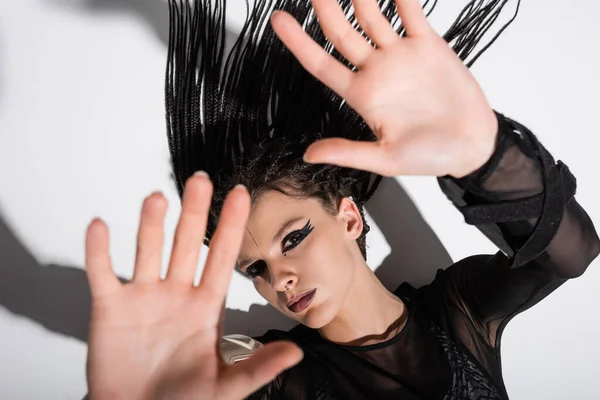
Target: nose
[282,278]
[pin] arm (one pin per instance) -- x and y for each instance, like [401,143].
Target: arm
[523,201]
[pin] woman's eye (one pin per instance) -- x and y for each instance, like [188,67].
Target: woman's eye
[255,269]
[288,243]
[293,240]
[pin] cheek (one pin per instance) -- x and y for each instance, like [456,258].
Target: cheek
[330,269]
[265,290]
[329,258]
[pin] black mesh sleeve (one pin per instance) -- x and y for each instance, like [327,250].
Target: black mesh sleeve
[523,201]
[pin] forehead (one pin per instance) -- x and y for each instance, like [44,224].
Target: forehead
[275,207]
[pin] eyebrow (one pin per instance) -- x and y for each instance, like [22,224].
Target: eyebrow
[277,236]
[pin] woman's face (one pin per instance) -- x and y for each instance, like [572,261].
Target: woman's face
[296,243]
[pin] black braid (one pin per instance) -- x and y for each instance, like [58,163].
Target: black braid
[247,117]
[274,164]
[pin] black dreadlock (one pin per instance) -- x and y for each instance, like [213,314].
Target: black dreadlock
[247,117]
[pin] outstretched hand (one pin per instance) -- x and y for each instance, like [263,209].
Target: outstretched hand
[427,110]
[154,338]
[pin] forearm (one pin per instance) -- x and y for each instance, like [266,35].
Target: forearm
[523,201]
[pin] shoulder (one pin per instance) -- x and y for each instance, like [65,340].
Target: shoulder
[445,285]
[442,275]
[462,269]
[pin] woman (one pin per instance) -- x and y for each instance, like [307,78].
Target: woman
[403,104]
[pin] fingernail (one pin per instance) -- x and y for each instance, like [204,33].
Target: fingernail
[240,186]
[201,173]
[306,159]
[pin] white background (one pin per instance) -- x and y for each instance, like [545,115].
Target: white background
[82,135]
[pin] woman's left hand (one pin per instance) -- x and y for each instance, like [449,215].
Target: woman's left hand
[421,101]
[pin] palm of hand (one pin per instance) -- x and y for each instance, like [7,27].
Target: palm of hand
[443,111]
[428,112]
[166,317]
[155,338]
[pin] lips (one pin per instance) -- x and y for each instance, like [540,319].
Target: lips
[300,302]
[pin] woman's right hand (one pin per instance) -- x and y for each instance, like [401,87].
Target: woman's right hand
[154,338]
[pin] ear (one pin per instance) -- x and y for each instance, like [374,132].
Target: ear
[350,217]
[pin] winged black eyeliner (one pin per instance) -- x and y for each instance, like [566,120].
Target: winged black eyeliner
[303,232]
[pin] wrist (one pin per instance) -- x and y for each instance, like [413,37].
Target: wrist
[482,145]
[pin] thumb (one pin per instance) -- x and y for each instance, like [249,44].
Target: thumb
[362,155]
[245,377]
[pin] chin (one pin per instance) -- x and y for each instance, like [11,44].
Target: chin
[316,316]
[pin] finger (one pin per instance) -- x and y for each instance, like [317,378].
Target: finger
[189,235]
[225,247]
[98,266]
[341,33]
[413,18]
[313,57]
[150,239]
[366,156]
[245,377]
[372,21]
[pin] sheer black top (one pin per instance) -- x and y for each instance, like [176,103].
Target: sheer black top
[450,346]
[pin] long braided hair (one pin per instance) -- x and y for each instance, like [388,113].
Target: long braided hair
[246,116]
